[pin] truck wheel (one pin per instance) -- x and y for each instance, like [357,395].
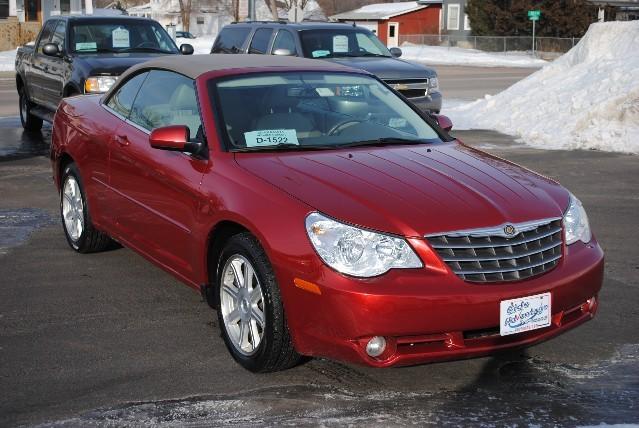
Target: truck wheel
[76,222]
[250,312]
[29,121]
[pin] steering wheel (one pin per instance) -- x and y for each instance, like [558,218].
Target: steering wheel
[337,129]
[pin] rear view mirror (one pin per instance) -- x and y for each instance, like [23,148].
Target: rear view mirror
[186,49]
[51,49]
[396,52]
[444,122]
[282,52]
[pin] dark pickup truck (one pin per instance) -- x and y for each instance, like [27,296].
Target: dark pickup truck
[345,44]
[76,55]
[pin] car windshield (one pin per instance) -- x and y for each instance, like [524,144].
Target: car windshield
[314,110]
[341,42]
[120,36]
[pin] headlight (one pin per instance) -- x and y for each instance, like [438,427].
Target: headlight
[358,252]
[576,222]
[433,84]
[98,84]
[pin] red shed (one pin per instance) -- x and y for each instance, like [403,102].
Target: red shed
[389,20]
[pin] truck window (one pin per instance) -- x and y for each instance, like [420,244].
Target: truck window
[259,44]
[284,40]
[58,34]
[231,40]
[47,31]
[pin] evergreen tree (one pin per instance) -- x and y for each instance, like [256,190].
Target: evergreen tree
[559,18]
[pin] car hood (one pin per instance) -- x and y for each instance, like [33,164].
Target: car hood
[113,63]
[412,190]
[387,68]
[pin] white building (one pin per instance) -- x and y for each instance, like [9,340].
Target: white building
[41,10]
[205,18]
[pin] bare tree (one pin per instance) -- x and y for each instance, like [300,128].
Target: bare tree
[185,14]
[273,7]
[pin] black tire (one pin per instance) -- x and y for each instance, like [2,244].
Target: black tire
[275,351]
[29,121]
[89,240]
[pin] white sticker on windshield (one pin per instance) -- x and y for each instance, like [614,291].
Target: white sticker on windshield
[325,92]
[86,46]
[340,44]
[397,122]
[320,53]
[270,137]
[120,37]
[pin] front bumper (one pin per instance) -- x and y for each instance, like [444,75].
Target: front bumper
[431,103]
[429,315]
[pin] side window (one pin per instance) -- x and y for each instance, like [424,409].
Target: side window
[58,34]
[122,100]
[366,44]
[231,40]
[47,31]
[166,98]
[259,44]
[285,40]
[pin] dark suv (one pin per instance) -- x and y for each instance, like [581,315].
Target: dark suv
[346,44]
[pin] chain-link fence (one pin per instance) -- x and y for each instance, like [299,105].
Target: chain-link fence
[545,47]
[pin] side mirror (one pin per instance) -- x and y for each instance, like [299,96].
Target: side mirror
[175,138]
[186,49]
[282,52]
[396,52]
[51,49]
[444,122]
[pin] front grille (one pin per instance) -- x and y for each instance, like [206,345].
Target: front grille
[410,88]
[490,255]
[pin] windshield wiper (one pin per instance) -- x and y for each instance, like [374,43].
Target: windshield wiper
[283,147]
[384,141]
[373,54]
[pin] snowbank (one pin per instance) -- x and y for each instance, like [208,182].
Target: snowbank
[439,55]
[8,60]
[201,45]
[586,99]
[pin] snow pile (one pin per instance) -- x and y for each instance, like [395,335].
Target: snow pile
[586,99]
[201,44]
[8,60]
[440,55]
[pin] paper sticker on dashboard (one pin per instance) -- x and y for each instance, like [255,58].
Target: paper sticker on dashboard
[320,53]
[120,37]
[270,137]
[325,92]
[86,46]
[340,44]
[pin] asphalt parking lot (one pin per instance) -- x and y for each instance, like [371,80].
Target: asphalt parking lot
[108,339]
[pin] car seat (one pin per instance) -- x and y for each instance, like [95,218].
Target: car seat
[282,113]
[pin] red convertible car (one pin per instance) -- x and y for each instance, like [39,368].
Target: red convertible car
[321,214]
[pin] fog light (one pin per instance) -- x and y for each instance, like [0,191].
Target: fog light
[592,302]
[376,346]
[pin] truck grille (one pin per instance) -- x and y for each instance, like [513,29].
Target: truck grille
[410,88]
[495,255]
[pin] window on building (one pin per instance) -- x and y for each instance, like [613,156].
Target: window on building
[65,7]
[200,20]
[453,17]
[466,22]
[259,44]
[4,9]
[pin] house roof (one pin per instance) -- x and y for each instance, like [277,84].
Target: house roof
[380,11]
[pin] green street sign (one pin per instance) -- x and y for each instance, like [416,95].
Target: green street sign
[534,15]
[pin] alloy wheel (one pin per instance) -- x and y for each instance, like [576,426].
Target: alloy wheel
[242,305]
[72,208]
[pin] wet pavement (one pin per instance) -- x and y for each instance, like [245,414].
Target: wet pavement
[109,340]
